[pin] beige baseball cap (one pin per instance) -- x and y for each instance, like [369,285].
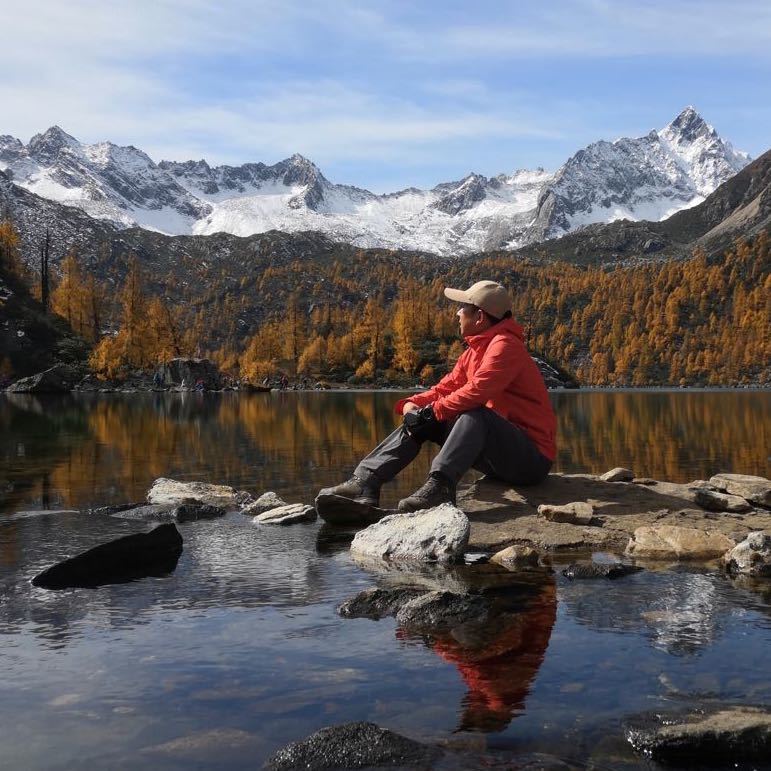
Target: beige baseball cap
[487,295]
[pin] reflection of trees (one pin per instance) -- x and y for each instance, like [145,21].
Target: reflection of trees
[36,434]
[663,434]
[91,449]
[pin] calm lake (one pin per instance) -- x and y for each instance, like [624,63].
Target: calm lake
[240,651]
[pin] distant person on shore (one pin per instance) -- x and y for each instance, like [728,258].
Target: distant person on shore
[491,413]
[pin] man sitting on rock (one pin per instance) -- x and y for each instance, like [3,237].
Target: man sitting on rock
[491,413]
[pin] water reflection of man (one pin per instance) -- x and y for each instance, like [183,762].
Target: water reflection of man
[499,660]
[492,413]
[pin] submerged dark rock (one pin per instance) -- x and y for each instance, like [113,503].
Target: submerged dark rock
[378,603]
[169,512]
[719,737]
[437,611]
[353,745]
[588,570]
[115,508]
[134,556]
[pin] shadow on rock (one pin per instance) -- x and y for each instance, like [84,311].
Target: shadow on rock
[125,559]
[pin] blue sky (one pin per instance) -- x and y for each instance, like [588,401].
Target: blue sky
[384,95]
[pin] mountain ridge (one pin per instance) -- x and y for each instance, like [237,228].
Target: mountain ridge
[657,174]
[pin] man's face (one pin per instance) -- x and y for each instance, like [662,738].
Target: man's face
[472,320]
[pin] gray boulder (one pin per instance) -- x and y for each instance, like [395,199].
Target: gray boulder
[715,501]
[124,559]
[286,515]
[190,371]
[720,737]
[432,535]
[754,489]
[353,745]
[671,542]
[171,491]
[60,378]
[265,502]
[751,557]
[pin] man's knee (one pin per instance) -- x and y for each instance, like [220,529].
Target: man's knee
[478,415]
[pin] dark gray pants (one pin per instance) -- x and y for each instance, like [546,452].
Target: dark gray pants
[479,439]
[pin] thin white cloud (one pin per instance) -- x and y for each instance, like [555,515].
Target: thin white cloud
[129,71]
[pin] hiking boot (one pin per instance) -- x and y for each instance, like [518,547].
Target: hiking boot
[436,490]
[357,489]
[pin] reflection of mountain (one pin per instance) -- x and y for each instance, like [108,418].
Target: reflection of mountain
[681,612]
[663,435]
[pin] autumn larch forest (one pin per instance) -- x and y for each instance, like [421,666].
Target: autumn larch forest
[379,317]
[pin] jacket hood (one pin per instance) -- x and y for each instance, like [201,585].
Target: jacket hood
[505,327]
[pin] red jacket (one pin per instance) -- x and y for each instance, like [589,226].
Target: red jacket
[496,371]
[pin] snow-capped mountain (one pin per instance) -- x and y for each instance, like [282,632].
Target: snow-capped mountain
[646,178]
[649,178]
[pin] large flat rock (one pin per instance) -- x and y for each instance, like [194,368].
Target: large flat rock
[173,491]
[501,514]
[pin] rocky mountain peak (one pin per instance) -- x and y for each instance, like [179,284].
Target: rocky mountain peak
[46,147]
[689,126]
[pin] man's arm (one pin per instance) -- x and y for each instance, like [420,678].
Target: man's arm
[502,363]
[452,381]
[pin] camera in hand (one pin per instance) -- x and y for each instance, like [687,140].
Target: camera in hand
[418,421]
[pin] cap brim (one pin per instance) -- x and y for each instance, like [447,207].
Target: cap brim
[456,295]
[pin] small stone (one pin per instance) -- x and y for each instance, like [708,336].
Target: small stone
[713,501]
[516,556]
[265,502]
[438,534]
[682,543]
[618,474]
[577,513]
[645,481]
[751,557]
[754,489]
[289,514]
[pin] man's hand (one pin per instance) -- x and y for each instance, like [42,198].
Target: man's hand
[418,423]
[409,407]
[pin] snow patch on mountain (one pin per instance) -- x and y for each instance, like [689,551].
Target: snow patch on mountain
[650,177]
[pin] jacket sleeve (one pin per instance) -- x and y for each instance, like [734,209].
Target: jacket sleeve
[502,362]
[452,381]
